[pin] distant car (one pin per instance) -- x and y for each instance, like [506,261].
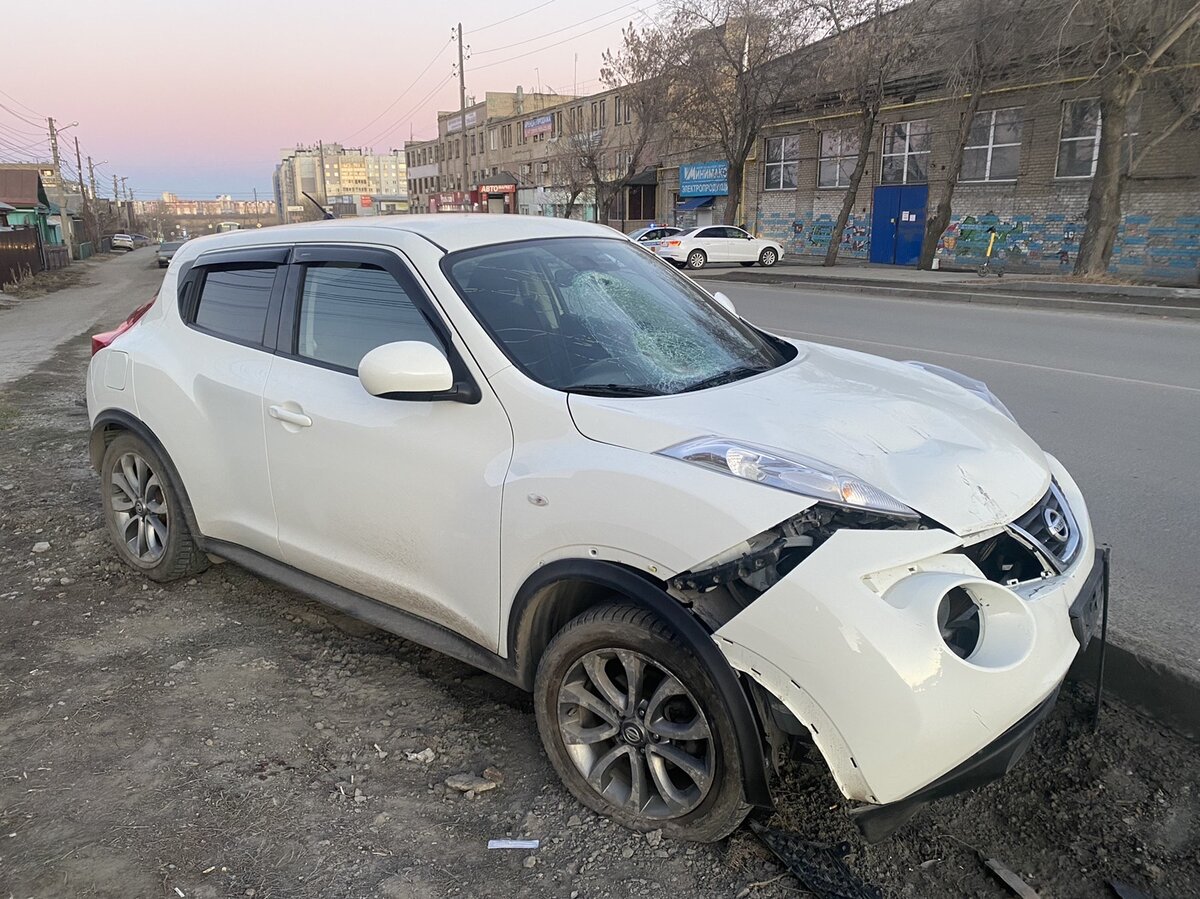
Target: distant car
[122,242]
[166,251]
[717,243]
[654,232]
[140,240]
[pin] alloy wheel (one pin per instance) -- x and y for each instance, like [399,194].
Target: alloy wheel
[768,258]
[139,506]
[636,734]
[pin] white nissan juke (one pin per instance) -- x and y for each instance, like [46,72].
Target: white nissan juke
[529,444]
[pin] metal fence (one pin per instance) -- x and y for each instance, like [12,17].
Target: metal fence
[19,256]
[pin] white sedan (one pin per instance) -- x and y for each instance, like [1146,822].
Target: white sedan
[524,443]
[717,243]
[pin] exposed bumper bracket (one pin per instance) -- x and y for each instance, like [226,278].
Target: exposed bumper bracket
[876,822]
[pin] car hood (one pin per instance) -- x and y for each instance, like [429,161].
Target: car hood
[929,443]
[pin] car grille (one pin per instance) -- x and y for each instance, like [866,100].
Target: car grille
[1051,529]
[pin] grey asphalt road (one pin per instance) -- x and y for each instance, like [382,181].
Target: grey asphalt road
[30,332]
[1116,398]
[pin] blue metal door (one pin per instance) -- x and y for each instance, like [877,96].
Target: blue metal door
[898,223]
[885,211]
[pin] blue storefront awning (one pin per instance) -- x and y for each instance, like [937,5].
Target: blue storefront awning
[694,203]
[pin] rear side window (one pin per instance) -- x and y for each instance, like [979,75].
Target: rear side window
[233,302]
[349,308]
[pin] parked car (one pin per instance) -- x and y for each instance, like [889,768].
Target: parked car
[140,240]
[166,252]
[653,233]
[717,244]
[122,242]
[526,444]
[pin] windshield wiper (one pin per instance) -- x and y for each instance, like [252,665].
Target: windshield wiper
[733,374]
[611,390]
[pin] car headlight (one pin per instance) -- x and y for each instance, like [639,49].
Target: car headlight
[978,388]
[791,472]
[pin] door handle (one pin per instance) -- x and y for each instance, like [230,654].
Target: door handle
[293,418]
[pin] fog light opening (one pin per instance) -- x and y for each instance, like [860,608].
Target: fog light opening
[959,622]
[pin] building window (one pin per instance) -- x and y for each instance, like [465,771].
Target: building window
[783,162]
[993,147]
[628,112]
[616,110]
[526,168]
[1079,141]
[595,116]
[492,139]
[906,152]
[603,113]
[839,153]
[642,199]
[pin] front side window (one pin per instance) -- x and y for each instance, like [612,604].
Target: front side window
[993,148]
[839,153]
[1079,140]
[233,301]
[601,316]
[781,169]
[906,147]
[348,308]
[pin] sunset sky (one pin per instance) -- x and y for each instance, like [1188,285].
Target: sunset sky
[199,98]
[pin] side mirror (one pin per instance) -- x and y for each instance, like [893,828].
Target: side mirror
[726,302]
[406,367]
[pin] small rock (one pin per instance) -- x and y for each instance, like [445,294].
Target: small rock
[41,547]
[468,783]
[574,821]
[180,665]
[530,861]
[627,852]
[66,581]
[425,756]
[654,838]
[359,796]
[494,774]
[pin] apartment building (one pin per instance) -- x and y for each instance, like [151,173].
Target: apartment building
[329,172]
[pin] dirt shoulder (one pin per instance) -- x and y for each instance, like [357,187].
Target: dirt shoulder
[224,737]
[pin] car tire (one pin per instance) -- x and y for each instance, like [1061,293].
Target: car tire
[768,257]
[143,512]
[696,259]
[626,767]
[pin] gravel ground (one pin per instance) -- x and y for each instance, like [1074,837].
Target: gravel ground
[224,737]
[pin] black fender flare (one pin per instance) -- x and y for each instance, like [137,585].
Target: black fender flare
[120,420]
[645,592]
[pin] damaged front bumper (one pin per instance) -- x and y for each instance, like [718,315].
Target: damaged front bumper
[850,642]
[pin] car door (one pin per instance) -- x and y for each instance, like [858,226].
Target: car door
[203,397]
[740,244]
[712,242]
[396,499]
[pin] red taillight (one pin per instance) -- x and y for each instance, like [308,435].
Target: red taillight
[100,341]
[671,243]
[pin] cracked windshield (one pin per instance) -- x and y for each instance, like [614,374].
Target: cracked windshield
[597,316]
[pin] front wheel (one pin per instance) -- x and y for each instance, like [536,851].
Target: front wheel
[768,258]
[635,727]
[696,259]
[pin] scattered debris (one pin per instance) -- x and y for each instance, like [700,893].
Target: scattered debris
[1011,880]
[494,774]
[818,866]
[514,844]
[530,861]
[654,838]
[425,756]
[41,547]
[469,783]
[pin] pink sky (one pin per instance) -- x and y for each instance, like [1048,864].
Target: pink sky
[198,98]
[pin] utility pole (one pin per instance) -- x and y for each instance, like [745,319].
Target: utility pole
[63,217]
[92,176]
[462,118]
[128,205]
[88,220]
[257,223]
[321,171]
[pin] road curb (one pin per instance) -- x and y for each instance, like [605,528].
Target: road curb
[953,295]
[1149,687]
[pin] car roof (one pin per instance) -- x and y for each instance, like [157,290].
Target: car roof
[449,231]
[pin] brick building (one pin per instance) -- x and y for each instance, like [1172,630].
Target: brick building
[1026,173]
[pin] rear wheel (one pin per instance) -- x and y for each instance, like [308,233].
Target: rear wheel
[696,259]
[143,512]
[635,727]
[768,258]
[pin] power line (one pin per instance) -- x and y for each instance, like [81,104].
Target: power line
[22,105]
[436,57]
[24,118]
[556,43]
[408,116]
[560,30]
[510,18]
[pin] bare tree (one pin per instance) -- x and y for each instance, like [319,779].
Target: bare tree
[1125,42]
[872,40]
[734,61]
